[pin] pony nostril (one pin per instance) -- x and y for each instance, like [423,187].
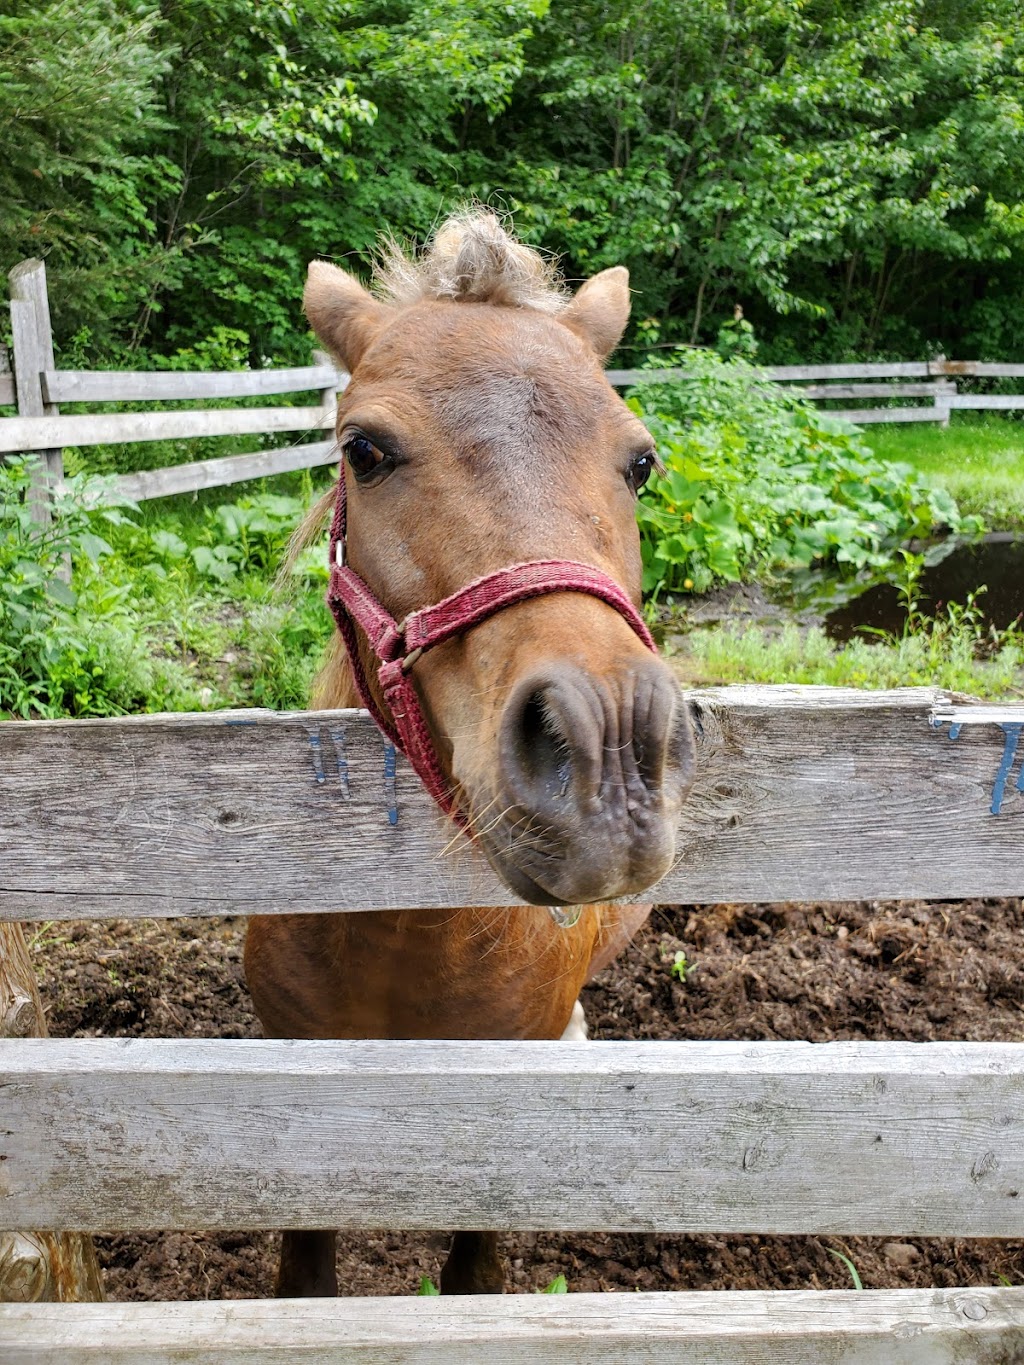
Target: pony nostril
[540,749]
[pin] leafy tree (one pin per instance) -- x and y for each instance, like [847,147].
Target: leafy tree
[851,172]
[78,88]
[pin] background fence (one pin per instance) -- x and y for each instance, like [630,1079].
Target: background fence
[801,793]
[37,388]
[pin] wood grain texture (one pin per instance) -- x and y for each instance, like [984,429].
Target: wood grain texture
[33,353]
[986,401]
[187,478]
[992,368]
[867,1139]
[784,373]
[927,389]
[7,392]
[831,1327]
[883,369]
[34,1266]
[111,386]
[35,433]
[865,416]
[800,794]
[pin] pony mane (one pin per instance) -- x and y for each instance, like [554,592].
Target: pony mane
[471,258]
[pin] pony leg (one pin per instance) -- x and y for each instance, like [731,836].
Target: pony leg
[576,1028]
[473,1265]
[307,1269]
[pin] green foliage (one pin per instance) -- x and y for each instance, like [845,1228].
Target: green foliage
[164,614]
[853,1271]
[756,478]
[206,586]
[557,1286]
[428,1289]
[79,94]
[249,536]
[681,969]
[63,649]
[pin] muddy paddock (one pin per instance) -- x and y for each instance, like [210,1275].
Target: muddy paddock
[879,971]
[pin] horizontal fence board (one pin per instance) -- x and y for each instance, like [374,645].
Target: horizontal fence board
[868,1139]
[993,402]
[112,386]
[929,389]
[865,416]
[39,433]
[621,379]
[187,478]
[983,368]
[881,369]
[792,373]
[257,811]
[975,1326]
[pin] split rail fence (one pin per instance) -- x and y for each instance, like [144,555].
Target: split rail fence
[801,794]
[37,388]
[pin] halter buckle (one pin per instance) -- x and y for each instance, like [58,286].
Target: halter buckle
[339,553]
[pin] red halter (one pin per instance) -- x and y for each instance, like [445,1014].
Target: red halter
[398,646]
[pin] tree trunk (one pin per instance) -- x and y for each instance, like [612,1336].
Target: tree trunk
[53,1267]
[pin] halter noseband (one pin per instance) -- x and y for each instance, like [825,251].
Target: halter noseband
[399,645]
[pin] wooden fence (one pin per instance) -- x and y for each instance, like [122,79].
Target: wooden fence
[934,379]
[37,388]
[801,793]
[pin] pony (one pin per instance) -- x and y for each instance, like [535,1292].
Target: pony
[478,431]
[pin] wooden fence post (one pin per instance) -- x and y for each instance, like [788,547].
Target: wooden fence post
[39,1266]
[33,353]
[943,389]
[328,396]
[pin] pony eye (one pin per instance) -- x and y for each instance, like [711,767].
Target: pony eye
[364,458]
[641,470]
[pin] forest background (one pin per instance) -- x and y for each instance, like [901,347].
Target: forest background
[851,174]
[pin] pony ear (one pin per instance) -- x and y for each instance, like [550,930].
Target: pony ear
[600,310]
[344,315]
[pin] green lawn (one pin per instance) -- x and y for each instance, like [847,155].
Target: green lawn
[979,457]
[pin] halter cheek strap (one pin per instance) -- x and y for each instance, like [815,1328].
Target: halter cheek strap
[399,645]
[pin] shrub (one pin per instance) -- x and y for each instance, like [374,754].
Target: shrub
[756,478]
[64,650]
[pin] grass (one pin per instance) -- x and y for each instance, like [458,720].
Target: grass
[978,458]
[954,655]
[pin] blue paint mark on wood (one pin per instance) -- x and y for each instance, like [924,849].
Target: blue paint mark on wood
[315,749]
[390,787]
[337,733]
[1012,733]
[241,722]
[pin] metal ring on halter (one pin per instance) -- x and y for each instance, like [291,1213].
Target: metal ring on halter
[565,916]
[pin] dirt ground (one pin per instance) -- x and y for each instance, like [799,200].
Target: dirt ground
[909,971]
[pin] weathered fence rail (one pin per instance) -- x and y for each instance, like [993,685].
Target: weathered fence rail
[883,1327]
[174,815]
[801,793]
[37,388]
[854,1139]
